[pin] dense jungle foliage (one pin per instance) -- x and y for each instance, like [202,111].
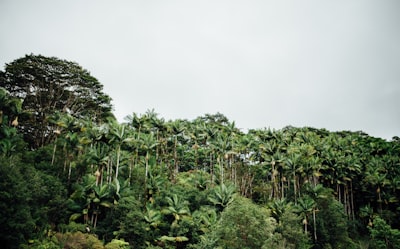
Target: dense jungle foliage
[74,177]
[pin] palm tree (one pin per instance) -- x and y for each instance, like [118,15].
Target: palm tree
[177,207]
[117,136]
[100,197]
[207,217]
[223,147]
[90,199]
[304,208]
[154,185]
[71,145]
[98,155]
[222,195]
[278,208]
[139,125]
[152,216]
[291,164]
[147,143]
[377,177]
[367,212]
[244,150]
[176,130]
[316,192]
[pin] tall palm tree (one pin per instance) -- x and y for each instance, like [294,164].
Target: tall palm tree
[304,208]
[117,136]
[98,155]
[377,177]
[147,143]
[316,192]
[244,147]
[291,164]
[176,131]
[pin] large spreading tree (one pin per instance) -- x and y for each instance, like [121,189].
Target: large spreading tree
[48,85]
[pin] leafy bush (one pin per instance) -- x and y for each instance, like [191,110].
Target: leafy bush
[383,236]
[78,240]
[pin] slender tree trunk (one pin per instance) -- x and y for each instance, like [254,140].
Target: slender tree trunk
[273,180]
[65,166]
[211,169]
[235,174]
[131,162]
[157,138]
[250,185]
[92,219]
[295,187]
[118,156]
[315,225]
[95,219]
[65,159]
[352,200]
[305,221]
[101,175]
[98,176]
[196,158]
[221,169]
[345,203]
[176,166]
[86,215]
[54,152]
[379,199]
[108,170]
[69,171]
[146,168]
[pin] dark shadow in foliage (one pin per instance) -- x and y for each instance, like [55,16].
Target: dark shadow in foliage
[17,223]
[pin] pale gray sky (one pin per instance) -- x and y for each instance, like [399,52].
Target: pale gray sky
[325,64]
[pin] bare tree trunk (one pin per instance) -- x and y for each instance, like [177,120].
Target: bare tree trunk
[352,200]
[117,166]
[221,169]
[211,169]
[95,219]
[130,172]
[345,200]
[69,171]
[176,166]
[54,152]
[102,176]
[108,170]
[315,225]
[305,222]
[295,187]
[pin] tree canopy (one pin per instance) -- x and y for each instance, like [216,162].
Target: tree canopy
[47,85]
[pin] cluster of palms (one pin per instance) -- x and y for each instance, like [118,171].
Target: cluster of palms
[291,164]
[172,183]
[184,175]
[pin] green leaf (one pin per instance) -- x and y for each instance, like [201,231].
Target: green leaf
[74,217]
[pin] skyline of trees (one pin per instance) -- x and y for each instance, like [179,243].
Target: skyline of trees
[152,183]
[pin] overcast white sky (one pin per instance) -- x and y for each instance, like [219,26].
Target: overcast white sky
[325,64]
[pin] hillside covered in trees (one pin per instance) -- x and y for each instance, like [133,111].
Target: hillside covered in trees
[72,176]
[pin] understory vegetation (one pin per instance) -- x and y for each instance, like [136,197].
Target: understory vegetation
[72,176]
